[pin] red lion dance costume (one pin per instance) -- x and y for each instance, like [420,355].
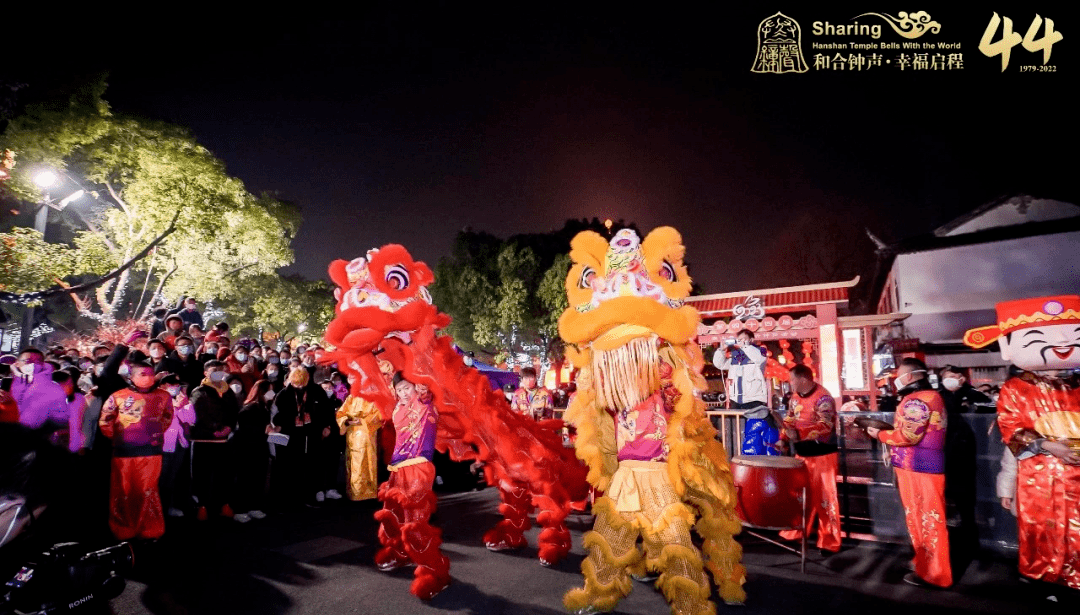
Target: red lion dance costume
[384,308]
[642,428]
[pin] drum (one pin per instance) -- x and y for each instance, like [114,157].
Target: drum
[769,489]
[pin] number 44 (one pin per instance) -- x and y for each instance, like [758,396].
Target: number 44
[1010,39]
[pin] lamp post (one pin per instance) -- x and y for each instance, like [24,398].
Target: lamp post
[44,179]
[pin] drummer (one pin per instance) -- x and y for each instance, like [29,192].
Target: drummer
[810,428]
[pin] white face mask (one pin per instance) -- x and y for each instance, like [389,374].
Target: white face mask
[236,388]
[28,369]
[124,370]
[951,384]
[97,369]
[269,396]
[329,393]
[218,376]
[271,373]
[183,350]
[241,357]
[156,353]
[174,391]
[899,386]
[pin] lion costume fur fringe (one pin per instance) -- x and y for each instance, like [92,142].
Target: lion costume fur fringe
[619,373]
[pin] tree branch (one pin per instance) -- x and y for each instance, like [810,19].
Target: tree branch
[42,294]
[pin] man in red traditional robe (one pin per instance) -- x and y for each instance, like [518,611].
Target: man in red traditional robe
[810,428]
[917,440]
[1039,418]
[135,419]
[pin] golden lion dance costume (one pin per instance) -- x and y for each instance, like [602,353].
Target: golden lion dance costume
[384,309]
[1041,336]
[642,428]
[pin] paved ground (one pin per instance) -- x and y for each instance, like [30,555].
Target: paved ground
[319,561]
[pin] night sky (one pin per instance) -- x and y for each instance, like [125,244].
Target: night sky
[407,126]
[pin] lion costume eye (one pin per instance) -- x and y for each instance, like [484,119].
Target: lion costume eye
[397,277]
[587,275]
[667,271]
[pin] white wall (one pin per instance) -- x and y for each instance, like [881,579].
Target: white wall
[950,290]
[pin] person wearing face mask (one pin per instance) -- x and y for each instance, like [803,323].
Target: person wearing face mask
[9,410]
[251,453]
[215,407]
[359,421]
[328,461]
[240,364]
[190,314]
[272,374]
[207,351]
[284,356]
[961,457]
[157,351]
[135,420]
[184,364]
[256,356]
[72,421]
[236,385]
[959,395]
[341,390]
[34,391]
[917,443]
[174,483]
[308,362]
[195,332]
[300,415]
[174,328]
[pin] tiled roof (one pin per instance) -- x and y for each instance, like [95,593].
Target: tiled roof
[776,299]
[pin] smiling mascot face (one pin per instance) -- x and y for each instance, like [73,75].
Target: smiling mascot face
[626,319]
[1037,334]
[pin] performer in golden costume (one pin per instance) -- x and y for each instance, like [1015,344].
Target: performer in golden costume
[642,428]
[359,421]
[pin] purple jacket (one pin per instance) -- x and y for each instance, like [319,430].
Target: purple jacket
[40,398]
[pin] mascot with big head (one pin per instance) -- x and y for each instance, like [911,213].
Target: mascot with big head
[642,428]
[385,315]
[1039,418]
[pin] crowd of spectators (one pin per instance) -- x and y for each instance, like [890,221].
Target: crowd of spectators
[248,427]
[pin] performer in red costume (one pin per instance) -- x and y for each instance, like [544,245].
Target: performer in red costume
[531,400]
[917,440]
[810,428]
[1039,418]
[384,312]
[408,501]
[135,419]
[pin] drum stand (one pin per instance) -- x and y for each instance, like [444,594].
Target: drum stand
[801,552]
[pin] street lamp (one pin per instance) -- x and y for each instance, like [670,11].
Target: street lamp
[44,179]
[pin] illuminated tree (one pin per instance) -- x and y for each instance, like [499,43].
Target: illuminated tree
[140,175]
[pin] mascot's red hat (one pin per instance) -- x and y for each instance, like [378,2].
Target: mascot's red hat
[1026,313]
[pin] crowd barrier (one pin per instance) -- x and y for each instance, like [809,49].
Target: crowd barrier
[869,501]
